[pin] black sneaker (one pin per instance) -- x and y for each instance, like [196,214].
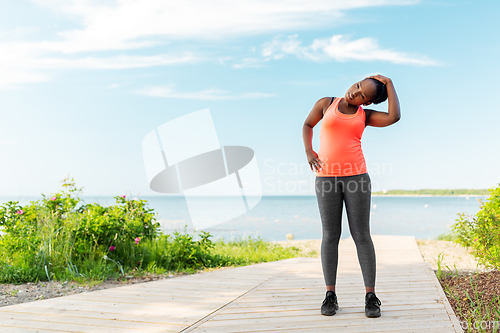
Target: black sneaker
[372,305]
[329,306]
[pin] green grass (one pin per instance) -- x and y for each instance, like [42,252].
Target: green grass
[246,251]
[166,254]
[447,236]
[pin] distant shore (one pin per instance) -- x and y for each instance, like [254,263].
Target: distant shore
[436,192]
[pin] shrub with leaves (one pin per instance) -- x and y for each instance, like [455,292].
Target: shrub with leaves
[482,232]
[114,227]
[55,236]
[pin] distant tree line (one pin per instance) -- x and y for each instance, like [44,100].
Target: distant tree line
[435,192]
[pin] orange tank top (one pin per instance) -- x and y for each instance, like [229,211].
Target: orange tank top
[340,142]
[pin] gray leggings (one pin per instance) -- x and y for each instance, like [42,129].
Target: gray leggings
[331,192]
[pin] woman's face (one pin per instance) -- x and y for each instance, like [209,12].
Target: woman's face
[362,92]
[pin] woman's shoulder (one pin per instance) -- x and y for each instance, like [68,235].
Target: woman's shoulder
[327,102]
[323,103]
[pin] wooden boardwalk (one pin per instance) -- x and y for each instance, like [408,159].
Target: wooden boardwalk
[281,296]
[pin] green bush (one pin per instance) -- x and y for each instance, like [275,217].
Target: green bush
[59,237]
[482,232]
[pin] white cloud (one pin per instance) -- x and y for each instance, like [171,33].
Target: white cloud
[248,62]
[208,94]
[106,22]
[11,78]
[18,32]
[31,62]
[277,48]
[338,48]
[123,25]
[118,62]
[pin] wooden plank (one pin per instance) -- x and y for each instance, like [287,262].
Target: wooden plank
[57,326]
[17,329]
[158,317]
[344,303]
[199,303]
[354,291]
[316,307]
[162,293]
[323,322]
[321,286]
[358,329]
[304,321]
[347,313]
[171,309]
[297,299]
[111,323]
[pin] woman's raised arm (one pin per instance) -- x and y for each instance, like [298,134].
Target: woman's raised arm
[382,119]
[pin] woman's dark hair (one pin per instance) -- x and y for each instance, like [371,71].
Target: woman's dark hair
[380,92]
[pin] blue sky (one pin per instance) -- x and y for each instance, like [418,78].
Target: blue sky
[83,82]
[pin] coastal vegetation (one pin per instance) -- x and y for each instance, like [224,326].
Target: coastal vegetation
[61,238]
[476,298]
[481,232]
[448,236]
[434,192]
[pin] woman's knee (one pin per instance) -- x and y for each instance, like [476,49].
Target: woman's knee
[331,238]
[361,238]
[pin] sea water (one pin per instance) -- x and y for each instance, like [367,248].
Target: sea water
[276,216]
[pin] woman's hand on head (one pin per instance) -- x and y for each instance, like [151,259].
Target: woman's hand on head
[381,78]
[314,161]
